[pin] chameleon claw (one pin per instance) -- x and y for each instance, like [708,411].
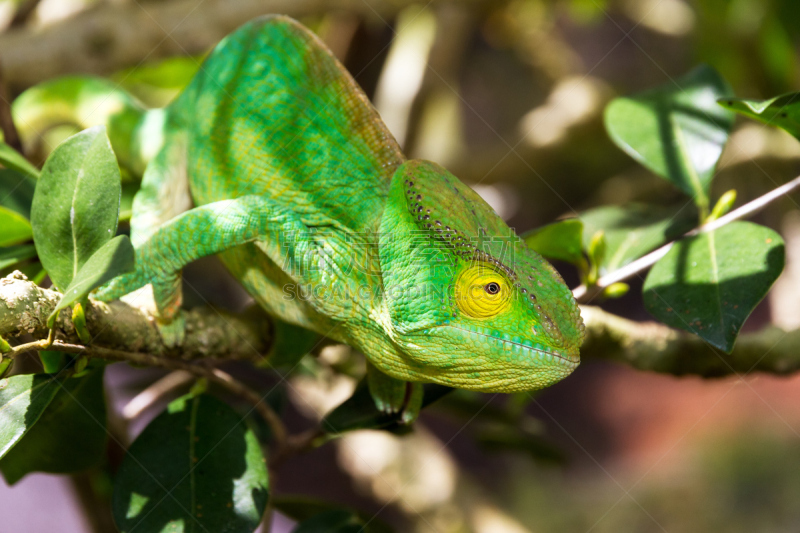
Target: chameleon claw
[173,331]
[395,397]
[413,404]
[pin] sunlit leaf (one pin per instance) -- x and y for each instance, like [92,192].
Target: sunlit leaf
[114,258]
[14,228]
[782,111]
[632,230]
[709,284]
[559,240]
[69,436]
[196,467]
[677,130]
[76,204]
[78,100]
[157,83]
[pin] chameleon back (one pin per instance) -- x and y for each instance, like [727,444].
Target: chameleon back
[273,113]
[274,108]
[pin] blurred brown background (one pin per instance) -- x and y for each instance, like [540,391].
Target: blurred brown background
[509,96]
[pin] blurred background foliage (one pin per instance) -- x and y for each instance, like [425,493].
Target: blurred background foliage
[509,95]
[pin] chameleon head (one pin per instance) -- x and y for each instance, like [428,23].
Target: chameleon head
[471,306]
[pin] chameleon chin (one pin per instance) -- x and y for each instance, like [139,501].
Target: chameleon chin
[297,181]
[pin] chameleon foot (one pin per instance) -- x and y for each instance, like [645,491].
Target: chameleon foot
[173,331]
[393,396]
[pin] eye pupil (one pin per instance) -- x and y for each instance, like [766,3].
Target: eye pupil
[492,288]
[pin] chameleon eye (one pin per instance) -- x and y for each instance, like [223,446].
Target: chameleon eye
[482,292]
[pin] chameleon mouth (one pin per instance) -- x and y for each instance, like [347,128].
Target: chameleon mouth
[567,359]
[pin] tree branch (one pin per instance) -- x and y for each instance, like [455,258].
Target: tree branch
[115,35]
[210,333]
[583,293]
[123,332]
[653,346]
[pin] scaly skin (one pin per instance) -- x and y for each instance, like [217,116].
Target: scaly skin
[311,205]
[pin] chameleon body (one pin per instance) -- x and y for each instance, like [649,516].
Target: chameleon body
[307,198]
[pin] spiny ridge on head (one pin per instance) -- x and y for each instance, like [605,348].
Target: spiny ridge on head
[456,216]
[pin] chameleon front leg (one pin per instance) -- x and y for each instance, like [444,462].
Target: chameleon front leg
[203,231]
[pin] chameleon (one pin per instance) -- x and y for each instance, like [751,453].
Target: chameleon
[306,197]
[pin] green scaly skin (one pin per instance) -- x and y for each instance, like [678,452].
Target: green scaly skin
[306,197]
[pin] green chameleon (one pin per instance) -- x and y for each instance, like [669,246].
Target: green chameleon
[306,197]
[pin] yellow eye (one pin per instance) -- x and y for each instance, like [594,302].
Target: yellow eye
[482,292]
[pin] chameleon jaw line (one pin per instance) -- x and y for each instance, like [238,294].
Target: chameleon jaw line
[571,362]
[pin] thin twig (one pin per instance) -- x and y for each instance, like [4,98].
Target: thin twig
[152,394]
[213,374]
[296,444]
[582,293]
[211,334]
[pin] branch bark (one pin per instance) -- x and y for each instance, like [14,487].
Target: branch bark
[114,35]
[24,308]
[653,346]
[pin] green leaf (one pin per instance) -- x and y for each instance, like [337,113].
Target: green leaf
[633,230]
[289,344]
[23,399]
[57,106]
[16,192]
[12,159]
[5,362]
[676,130]
[76,204]
[559,240]
[196,467]
[304,509]
[709,284]
[114,258]
[52,361]
[359,411]
[16,254]
[16,229]
[782,111]
[69,436]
